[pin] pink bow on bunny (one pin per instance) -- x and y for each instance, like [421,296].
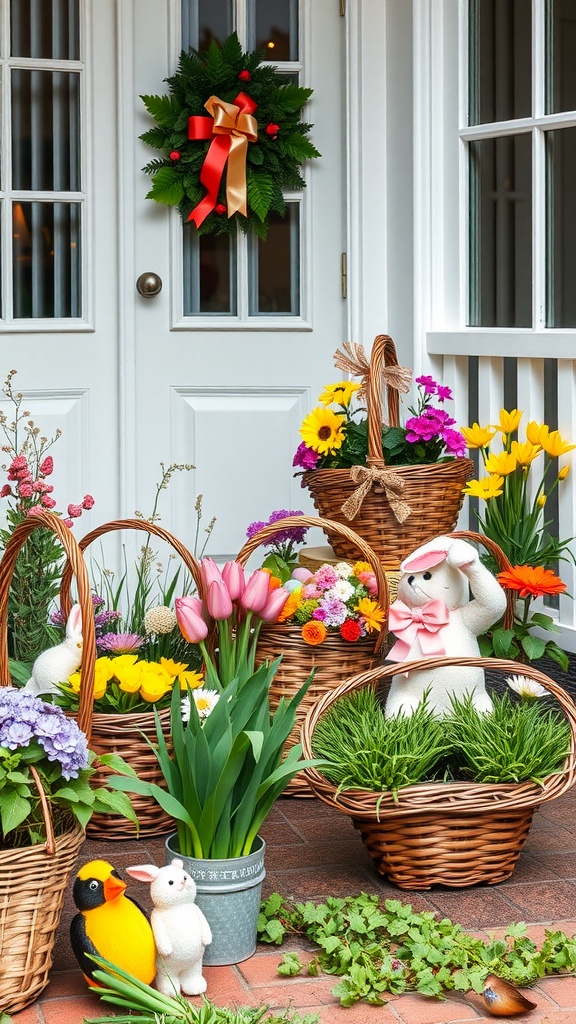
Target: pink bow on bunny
[425,622]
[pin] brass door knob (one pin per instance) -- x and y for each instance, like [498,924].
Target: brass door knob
[149,285]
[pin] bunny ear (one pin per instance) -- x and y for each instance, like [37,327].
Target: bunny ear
[143,872]
[74,623]
[427,555]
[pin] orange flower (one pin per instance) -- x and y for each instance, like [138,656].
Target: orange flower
[531,581]
[291,605]
[314,632]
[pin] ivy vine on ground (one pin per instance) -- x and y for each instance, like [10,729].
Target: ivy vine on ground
[184,134]
[377,949]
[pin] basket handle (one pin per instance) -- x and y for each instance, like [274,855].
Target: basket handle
[48,520]
[291,521]
[45,807]
[503,564]
[383,672]
[383,354]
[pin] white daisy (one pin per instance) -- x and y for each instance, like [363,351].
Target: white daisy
[205,701]
[342,591]
[527,688]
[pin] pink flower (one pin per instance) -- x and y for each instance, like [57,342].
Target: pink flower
[42,488]
[210,571]
[88,501]
[48,502]
[74,511]
[302,574]
[233,576]
[192,625]
[34,510]
[368,579]
[454,442]
[305,457]
[6,491]
[47,467]
[274,605]
[256,592]
[25,489]
[68,523]
[18,463]
[218,600]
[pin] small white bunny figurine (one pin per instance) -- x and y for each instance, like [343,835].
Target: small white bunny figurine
[58,663]
[433,616]
[181,932]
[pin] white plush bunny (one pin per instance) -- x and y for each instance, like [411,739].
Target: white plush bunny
[58,663]
[433,616]
[181,932]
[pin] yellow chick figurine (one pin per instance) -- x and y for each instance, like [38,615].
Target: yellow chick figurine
[110,924]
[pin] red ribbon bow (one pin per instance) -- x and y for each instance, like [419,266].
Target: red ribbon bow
[424,622]
[231,127]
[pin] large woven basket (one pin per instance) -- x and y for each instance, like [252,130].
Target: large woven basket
[432,492]
[443,833]
[128,734]
[33,882]
[334,660]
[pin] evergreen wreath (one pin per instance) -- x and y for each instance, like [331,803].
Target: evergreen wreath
[269,139]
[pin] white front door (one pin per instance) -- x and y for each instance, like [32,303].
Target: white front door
[218,376]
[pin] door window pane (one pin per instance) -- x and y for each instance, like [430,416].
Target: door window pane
[501,232]
[44,29]
[209,274]
[500,57]
[45,130]
[275,267]
[560,52]
[561,224]
[276,29]
[47,259]
[206,21]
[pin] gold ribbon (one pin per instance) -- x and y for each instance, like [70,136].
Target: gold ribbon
[231,129]
[355,362]
[370,476]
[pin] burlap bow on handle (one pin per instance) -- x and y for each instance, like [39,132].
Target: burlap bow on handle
[353,360]
[387,480]
[231,127]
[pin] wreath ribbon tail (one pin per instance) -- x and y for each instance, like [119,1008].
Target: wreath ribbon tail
[211,176]
[236,200]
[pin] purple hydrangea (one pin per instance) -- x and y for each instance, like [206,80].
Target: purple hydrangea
[305,457]
[25,719]
[291,535]
[336,611]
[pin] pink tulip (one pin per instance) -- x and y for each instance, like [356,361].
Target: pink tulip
[192,626]
[233,576]
[274,605]
[210,571]
[218,600]
[302,574]
[196,605]
[256,591]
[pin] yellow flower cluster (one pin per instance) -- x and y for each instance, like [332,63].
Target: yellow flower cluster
[150,680]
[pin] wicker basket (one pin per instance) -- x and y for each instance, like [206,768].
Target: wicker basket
[432,492]
[334,660]
[126,734]
[443,833]
[33,882]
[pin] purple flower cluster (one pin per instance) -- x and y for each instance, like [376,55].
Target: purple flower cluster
[292,535]
[104,620]
[432,424]
[25,720]
[305,457]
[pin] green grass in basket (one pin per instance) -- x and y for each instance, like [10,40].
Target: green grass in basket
[367,751]
[516,742]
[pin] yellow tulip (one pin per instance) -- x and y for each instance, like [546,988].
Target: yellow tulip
[555,444]
[563,472]
[99,688]
[541,500]
[501,463]
[153,689]
[509,421]
[488,487]
[74,682]
[537,433]
[190,680]
[477,436]
[128,677]
[524,453]
[173,668]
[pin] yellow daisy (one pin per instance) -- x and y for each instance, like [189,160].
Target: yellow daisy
[487,487]
[501,463]
[339,394]
[323,431]
[477,436]
[509,421]
[372,614]
[524,453]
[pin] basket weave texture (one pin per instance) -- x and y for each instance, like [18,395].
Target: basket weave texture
[443,833]
[433,492]
[334,660]
[126,734]
[33,882]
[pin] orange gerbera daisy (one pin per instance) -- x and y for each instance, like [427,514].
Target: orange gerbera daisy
[531,581]
[314,632]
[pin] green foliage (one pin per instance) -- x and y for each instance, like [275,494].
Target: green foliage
[151,1007]
[378,949]
[518,740]
[519,643]
[273,164]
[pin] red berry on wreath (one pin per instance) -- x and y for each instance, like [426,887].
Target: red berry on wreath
[272,130]
[174,155]
[220,209]
[245,76]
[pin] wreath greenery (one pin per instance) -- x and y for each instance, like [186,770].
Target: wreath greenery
[272,159]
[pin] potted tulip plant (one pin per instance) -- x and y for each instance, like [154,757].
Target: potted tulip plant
[225,769]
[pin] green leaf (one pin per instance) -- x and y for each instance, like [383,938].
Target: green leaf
[166,188]
[291,965]
[503,642]
[259,189]
[164,109]
[533,647]
[14,809]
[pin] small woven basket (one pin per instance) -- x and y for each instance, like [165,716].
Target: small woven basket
[33,883]
[443,833]
[128,734]
[334,659]
[433,492]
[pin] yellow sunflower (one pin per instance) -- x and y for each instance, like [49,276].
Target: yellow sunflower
[323,431]
[339,394]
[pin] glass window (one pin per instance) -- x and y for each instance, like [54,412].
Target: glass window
[561,51]
[206,21]
[276,29]
[45,28]
[561,227]
[500,46]
[209,273]
[45,131]
[46,258]
[274,267]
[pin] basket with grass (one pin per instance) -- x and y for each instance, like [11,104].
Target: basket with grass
[449,800]
[333,658]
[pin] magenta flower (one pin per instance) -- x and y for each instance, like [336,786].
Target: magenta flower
[88,501]
[47,467]
[121,643]
[74,511]
[428,383]
[192,626]
[255,528]
[443,393]
[305,457]
[454,441]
